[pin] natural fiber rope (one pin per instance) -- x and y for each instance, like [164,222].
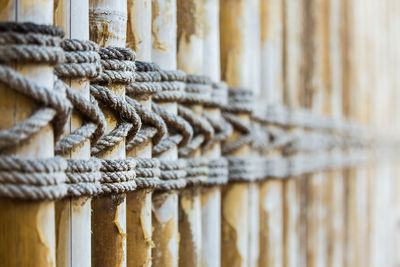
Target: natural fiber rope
[83,177]
[196,171]
[117,176]
[147,173]
[173,174]
[217,172]
[32,179]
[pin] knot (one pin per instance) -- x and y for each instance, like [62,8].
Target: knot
[196,171]
[117,176]
[222,130]
[217,172]
[172,86]
[82,60]
[180,130]
[83,177]
[172,174]
[118,66]
[243,128]
[219,95]
[127,129]
[147,81]
[203,131]
[30,43]
[147,173]
[150,119]
[93,127]
[32,179]
[197,90]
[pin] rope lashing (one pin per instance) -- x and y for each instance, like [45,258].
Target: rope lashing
[83,177]
[117,176]
[197,92]
[147,173]
[172,86]
[217,172]
[180,130]
[32,179]
[196,171]
[147,83]
[83,62]
[203,131]
[32,43]
[240,102]
[172,174]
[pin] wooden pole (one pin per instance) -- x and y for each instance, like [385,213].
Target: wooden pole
[165,204]
[293,228]
[211,197]
[271,206]
[254,54]
[356,107]
[235,72]
[27,227]
[138,203]
[190,59]
[108,28]
[73,223]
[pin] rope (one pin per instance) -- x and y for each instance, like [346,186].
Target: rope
[32,179]
[217,172]
[147,173]
[117,176]
[172,174]
[196,171]
[83,177]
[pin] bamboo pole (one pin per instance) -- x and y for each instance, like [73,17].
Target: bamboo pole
[190,20]
[138,216]
[27,227]
[108,28]
[73,223]
[235,72]
[254,54]
[318,95]
[271,206]
[211,197]
[293,195]
[165,204]
[356,107]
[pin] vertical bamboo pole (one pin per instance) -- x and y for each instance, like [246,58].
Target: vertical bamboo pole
[190,59]
[27,227]
[108,28]
[355,107]
[254,54]
[211,197]
[317,98]
[271,206]
[335,182]
[234,70]
[138,203]
[73,224]
[165,204]
[293,253]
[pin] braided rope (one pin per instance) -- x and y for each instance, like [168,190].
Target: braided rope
[196,171]
[83,177]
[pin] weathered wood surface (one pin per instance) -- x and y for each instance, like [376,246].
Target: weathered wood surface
[108,28]
[73,216]
[165,204]
[138,213]
[211,197]
[27,227]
